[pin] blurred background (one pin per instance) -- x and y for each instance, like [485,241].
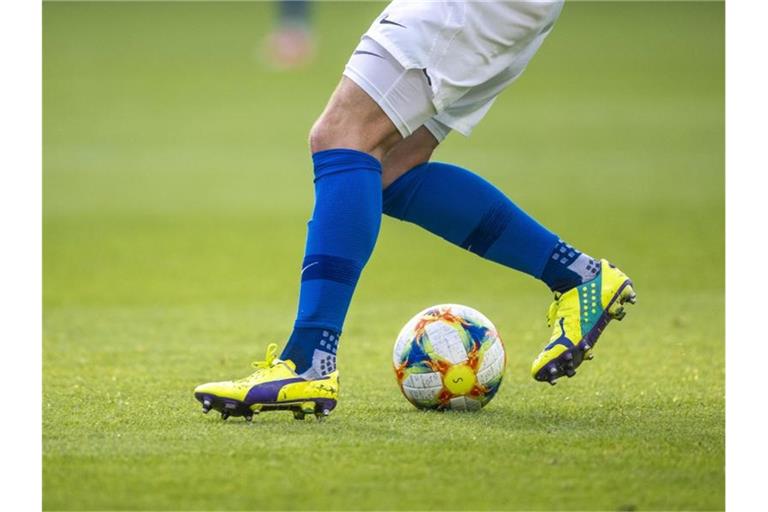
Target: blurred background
[177,186]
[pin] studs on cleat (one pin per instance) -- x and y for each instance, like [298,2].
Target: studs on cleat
[228,407]
[568,356]
[616,310]
[570,372]
[554,373]
[628,295]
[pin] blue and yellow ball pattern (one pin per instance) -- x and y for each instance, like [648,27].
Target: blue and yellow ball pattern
[449,356]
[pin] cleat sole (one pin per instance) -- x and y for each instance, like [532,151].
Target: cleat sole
[320,407]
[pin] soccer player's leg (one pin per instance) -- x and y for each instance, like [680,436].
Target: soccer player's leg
[468,211]
[347,142]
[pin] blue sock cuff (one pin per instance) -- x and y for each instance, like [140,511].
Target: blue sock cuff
[399,194]
[332,161]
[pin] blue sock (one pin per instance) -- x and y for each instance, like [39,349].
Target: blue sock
[341,236]
[466,210]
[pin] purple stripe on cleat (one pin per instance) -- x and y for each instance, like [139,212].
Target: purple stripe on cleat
[268,391]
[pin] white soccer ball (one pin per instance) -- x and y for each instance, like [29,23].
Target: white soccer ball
[449,357]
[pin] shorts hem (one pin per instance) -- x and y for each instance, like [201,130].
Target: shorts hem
[435,127]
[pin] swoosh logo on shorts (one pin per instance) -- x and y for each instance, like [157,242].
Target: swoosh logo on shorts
[363,52]
[385,21]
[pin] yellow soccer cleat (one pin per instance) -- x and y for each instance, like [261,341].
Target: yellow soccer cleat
[274,386]
[579,316]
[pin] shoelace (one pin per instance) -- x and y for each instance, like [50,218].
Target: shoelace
[268,362]
[268,359]
[552,311]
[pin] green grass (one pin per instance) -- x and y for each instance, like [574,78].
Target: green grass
[176,191]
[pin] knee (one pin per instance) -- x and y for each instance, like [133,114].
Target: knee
[321,136]
[336,129]
[353,120]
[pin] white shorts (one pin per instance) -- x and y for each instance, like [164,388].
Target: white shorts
[442,64]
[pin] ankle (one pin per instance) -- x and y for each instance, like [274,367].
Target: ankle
[568,267]
[312,350]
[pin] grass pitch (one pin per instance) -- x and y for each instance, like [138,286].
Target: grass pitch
[176,190]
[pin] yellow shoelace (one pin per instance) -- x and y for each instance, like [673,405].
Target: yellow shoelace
[260,366]
[552,311]
[268,359]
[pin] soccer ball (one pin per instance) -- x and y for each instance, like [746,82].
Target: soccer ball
[449,357]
